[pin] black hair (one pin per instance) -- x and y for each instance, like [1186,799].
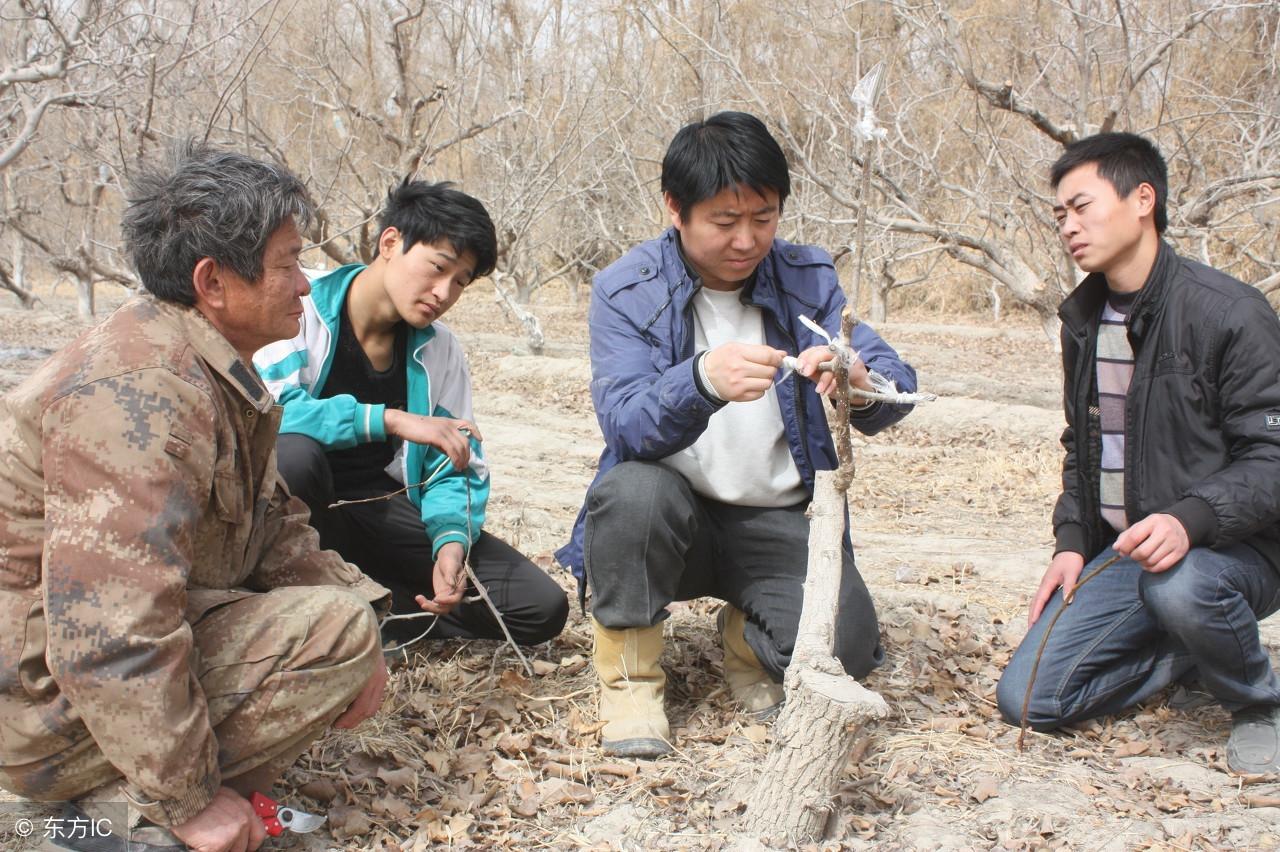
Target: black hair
[429,212]
[200,202]
[1124,160]
[729,149]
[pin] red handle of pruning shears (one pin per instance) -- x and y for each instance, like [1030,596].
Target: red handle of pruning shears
[267,810]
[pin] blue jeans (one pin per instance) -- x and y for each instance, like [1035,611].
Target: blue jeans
[1129,633]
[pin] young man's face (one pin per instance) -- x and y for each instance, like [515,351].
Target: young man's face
[256,313]
[1100,229]
[425,281]
[725,237]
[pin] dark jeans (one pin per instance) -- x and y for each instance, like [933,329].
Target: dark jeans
[651,540]
[1129,633]
[388,541]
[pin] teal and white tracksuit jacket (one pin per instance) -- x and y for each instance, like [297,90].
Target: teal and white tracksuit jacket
[452,502]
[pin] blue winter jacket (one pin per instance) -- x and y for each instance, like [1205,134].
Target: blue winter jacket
[643,361]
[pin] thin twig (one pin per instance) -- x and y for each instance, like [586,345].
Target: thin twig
[484,594]
[386,496]
[408,615]
[389,495]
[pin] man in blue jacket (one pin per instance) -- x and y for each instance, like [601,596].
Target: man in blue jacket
[1171,476]
[377,401]
[710,450]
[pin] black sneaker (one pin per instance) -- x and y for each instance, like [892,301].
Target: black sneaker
[1254,745]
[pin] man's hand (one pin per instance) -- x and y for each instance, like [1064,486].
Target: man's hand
[227,824]
[448,579]
[367,703]
[1063,572]
[444,433]
[811,358]
[1157,543]
[741,372]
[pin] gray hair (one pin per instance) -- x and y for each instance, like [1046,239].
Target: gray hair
[206,202]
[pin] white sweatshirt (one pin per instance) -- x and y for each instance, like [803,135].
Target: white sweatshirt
[742,457]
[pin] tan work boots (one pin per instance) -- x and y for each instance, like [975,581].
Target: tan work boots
[632,686]
[747,679]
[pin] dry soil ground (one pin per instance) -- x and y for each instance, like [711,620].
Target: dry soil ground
[951,525]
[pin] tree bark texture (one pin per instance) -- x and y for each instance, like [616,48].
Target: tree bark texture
[792,799]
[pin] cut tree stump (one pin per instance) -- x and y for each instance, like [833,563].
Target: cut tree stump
[794,795]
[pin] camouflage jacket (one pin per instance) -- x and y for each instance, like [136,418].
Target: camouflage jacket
[138,490]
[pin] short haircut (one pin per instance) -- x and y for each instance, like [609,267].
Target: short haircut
[430,212]
[206,202]
[729,149]
[1124,160]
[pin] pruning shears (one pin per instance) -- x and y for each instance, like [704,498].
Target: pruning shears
[279,819]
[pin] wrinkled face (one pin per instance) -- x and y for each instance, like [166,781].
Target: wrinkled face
[425,281]
[726,236]
[1100,229]
[256,313]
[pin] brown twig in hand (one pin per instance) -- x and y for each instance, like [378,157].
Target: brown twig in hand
[1068,595]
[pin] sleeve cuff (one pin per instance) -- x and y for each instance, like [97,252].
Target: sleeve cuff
[703,382]
[1197,518]
[1069,537]
[370,423]
[446,536]
[175,811]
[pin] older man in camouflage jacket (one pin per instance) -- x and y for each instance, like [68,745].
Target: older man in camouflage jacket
[167,621]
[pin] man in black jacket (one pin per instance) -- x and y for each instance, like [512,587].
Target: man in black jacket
[1172,397]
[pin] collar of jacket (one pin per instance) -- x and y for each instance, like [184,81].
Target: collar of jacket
[216,351]
[329,296]
[758,291]
[682,286]
[1080,309]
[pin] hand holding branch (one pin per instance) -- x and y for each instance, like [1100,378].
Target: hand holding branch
[447,435]
[742,372]
[815,363]
[1063,573]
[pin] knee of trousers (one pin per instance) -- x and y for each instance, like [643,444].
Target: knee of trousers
[636,508]
[859,656]
[304,467]
[1011,694]
[633,493]
[542,617]
[340,642]
[1184,596]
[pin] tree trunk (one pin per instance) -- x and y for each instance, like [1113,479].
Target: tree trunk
[532,326]
[793,797]
[84,295]
[879,301]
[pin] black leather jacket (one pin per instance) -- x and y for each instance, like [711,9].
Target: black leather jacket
[1202,417]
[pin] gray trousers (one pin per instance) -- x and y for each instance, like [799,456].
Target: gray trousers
[650,540]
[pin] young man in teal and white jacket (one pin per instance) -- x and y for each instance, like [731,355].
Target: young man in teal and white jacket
[377,400]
